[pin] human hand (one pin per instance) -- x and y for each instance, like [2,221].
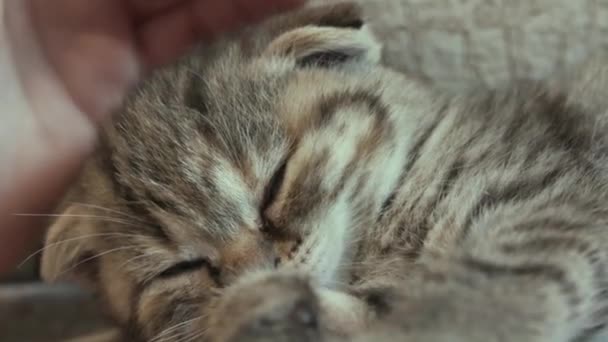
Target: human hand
[75,60]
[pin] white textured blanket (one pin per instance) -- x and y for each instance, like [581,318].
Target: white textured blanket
[459,42]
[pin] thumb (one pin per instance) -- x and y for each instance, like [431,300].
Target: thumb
[85,50]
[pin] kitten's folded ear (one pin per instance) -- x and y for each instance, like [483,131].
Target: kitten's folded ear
[326,36]
[68,253]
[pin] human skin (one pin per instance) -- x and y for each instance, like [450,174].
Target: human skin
[74,60]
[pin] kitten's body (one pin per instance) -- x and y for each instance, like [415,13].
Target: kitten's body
[282,186]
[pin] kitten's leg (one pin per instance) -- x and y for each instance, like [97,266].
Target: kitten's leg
[544,278]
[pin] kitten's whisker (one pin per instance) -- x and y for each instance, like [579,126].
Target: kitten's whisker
[93,206]
[173,336]
[135,258]
[193,336]
[177,336]
[97,217]
[55,244]
[113,250]
[172,328]
[150,277]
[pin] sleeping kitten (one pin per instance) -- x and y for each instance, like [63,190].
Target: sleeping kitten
[281,185]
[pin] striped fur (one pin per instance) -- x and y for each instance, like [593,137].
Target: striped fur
[280,185]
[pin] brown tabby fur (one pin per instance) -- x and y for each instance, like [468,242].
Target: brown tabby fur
[281,185]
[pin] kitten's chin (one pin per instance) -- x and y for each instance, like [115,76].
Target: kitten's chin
[326,273]
[335,281]
[327,269]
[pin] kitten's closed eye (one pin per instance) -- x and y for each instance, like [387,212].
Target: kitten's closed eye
[189,266]
[270,195]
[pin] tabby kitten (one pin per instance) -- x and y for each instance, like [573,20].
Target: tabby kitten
[281,185]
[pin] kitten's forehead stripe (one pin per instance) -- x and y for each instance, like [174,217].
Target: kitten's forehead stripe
[390,212]
[306,193]
[329,105]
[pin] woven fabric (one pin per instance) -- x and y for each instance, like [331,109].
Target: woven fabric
[459,42]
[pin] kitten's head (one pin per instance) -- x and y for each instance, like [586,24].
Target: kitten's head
[267,149]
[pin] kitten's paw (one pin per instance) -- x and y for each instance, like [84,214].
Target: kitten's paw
[269,307]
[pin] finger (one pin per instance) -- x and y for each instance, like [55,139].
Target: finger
[39,155]
[90,45]
[248,10]
[146,9]
[210,17]
[36,192]
[164,38]
[167,36]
